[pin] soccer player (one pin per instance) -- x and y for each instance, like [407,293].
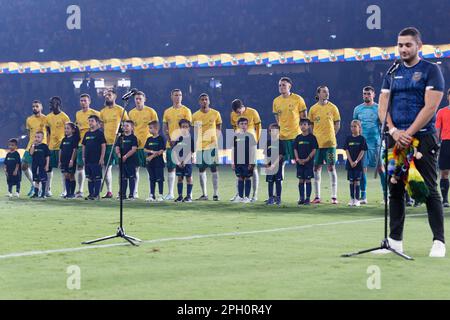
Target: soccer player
[110,115]
[12,168]
[288,109]
[254,127]
[326,120]
[141,115]
[93,152]
[274,154]
[355,147]
[208,125]
[129,159]
[367,114]
[68,156]
[82,123]
[34,123]
[182,153]
[40,153]
[443,130]
[416,94]
[244,156]
[305,147]
[154,148]
[56,120]
[171,131]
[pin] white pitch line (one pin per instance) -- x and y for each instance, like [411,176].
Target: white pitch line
[193,237]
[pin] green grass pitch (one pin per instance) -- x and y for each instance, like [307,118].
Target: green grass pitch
[213,250]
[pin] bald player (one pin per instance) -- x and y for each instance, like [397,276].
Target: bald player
[82,122]
[239,110]
[56,120]
[171,131]
[110,116]
[34,123]
[141,115]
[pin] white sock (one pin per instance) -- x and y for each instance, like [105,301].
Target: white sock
[255,182]
[215,182]
[80,178]
[202,176]
[29,175]
[63,179]
[48,187]
[136,188]
[171,181]
[317,178]
[333,179]
[108,179]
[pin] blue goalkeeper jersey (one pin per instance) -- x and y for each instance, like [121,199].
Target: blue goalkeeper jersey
[370,123]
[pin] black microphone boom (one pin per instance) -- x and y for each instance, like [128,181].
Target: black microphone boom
[394,66]
[129,94]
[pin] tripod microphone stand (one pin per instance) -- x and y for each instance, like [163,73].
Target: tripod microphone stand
[120,230]
[384,132]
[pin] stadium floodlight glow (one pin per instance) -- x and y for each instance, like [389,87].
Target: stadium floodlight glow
[41,50]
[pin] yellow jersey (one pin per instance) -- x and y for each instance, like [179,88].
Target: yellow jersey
[323,118]
[288,111]
[56,122]
[35,124]
[82,121]
[172,116]
[141,119]
[205,125]
[254,121]
[110,117]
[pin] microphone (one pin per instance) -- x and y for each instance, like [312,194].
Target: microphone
[129,94]
[394,66]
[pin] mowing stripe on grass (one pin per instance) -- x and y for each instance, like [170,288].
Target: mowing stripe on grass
[193,237]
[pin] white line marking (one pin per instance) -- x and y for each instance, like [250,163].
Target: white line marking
[193,237]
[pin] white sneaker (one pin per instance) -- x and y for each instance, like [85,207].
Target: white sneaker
[363,201]
[394,244]
[62,195]
[169,197]
[17,195]
[160,198]
[136,195]
[357,203]
[438,249]
[49,194]
[9,195]
[351,203]
[150,199]
[238,199]
[245,200]
[234,197]
[254,199]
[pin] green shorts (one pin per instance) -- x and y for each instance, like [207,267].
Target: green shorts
[27,159]
[170,164]
[325,156]
[207,159]
[142,158]
[114,157]
[54,159]
[288,149]
[80,162]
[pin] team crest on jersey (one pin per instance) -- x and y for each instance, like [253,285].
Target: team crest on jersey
[123,67]
[417,76]
[83,67]
[21,69]
[166,64]
[308,58]
[211,62]
[62,68]
[282,59]
[42,69]
[437,52]
[258,59]
[188,63]
[144,66]
[234,61]
[358,55]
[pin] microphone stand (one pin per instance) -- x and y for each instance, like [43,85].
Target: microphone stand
[120,230]
[385,137]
